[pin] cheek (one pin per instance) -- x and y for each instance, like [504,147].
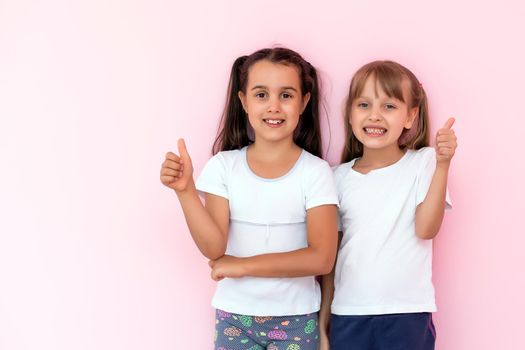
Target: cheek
[355,129]
[354,119]
[293,108]
[255,109]
[252,119]
[355,122]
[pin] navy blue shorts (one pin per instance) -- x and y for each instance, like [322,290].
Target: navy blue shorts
[411,331]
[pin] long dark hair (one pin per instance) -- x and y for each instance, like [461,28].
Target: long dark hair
[389,75]
[234,130]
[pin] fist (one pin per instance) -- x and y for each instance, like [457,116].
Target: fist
[446,142]
[177,171]
[226,266]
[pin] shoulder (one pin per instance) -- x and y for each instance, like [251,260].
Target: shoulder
[222,163]
[227,157]
[421,161]
[342,170]
[318,181]
[314,167]
[422,153]
[422,156]
[311,161]
[236,153]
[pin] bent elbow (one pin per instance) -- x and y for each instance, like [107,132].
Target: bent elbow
[425,230]
[325,270]
[326,266]
[214,253]
[426,234]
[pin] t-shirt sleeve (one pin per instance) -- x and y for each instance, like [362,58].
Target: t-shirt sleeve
[320,187]
[337,179]
[213,177]
[425,177]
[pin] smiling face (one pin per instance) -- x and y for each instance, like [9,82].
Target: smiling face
[273,100]
[377,120]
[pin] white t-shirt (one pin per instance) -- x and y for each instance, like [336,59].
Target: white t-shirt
[267,216]
[382,266]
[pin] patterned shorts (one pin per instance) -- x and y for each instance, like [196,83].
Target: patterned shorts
[241,332]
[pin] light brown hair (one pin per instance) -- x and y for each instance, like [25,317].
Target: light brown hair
[389,75]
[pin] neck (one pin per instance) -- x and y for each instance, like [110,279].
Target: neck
[378,158]
[273,150]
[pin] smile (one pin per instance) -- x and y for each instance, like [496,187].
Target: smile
[273,121]
[375,131]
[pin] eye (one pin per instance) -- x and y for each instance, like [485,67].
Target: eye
[390,106]
[363,105]
[260,95]
[286,96]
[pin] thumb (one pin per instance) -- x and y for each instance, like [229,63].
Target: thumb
[449,123]
[183,151]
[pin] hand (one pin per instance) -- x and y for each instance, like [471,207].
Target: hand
[324,344]
[446,143]
[226,266]
[177,171]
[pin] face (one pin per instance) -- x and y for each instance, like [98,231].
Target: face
[378,120]
[273,100]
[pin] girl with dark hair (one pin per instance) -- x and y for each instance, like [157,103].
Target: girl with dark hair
[268,224]
[393,192]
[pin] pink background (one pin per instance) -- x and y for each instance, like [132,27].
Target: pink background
[94,252]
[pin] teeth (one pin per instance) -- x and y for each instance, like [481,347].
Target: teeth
[273,121]
[375,131]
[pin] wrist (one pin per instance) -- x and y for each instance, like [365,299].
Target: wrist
[443,165]
[323,333]
[189,190]
[244,267]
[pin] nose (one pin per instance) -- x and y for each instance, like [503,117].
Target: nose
[274,105]
[375,114]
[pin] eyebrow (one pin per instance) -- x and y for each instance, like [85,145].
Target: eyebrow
[364,97]
[265,87]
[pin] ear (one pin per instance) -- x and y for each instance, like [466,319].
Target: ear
[412,115]
[242,97]
[306,99]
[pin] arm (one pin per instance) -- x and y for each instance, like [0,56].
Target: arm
[208,224]
[327,295]
[316,259]
[430,212]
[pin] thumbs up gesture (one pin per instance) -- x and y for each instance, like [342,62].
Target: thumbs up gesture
[177,170]
[446,143]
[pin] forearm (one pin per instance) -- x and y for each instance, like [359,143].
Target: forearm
[316,259]
[327,295]
[207,235]
[298,263]
[429,214]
